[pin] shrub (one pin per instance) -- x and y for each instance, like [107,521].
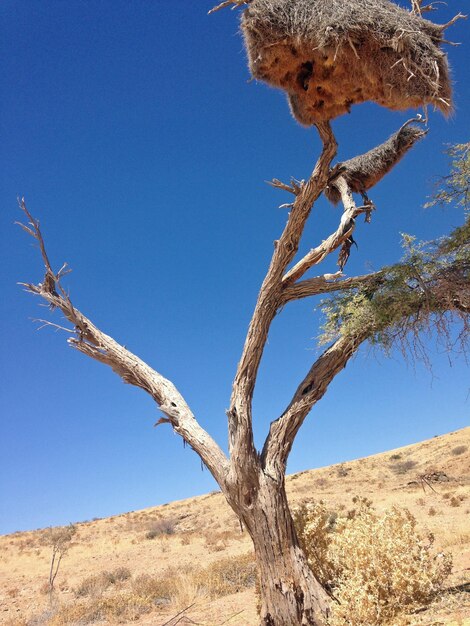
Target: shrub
[403,467]
[187,590]
[314,529]
[96,585]
[227,576]
[155,589]
[121,608]
[164,526]
[342,471]
[375,565]
[459,450]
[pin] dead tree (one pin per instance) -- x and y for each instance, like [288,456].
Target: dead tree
[253,481]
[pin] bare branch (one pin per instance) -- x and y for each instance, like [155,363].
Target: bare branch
[399,302]
[92,342]
[342,234]
[312,388]
[46,323]
[328,283]
[270,299]
[295,186]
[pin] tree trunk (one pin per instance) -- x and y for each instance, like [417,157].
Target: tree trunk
[290,593]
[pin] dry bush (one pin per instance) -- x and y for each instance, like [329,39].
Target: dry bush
[218,541]
[178,588]
[314,527]
[163,526]
[342,471]
[96,585]
[227,576]
[156,589]
[459,450]
[403,467]
[120,608]
[376,565]
[187,591]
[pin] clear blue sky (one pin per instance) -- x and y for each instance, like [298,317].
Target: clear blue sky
[136,138]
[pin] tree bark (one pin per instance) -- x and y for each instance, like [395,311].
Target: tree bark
[290,595]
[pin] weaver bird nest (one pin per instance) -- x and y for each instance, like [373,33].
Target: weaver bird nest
[330,54]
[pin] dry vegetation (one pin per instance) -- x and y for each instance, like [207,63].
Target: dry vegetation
[330,55]
[151,564]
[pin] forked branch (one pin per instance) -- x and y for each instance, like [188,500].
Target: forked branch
[390,306]
[91,341]
[341,236]
[270,299]
[283,431]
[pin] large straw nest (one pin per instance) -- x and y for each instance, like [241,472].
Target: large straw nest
[330,54]
[366,170]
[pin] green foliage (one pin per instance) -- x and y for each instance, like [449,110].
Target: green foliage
[455,188]
[431,280]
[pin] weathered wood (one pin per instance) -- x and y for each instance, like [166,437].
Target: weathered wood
[283,431]
[269,300]
[252,483]
[290,593]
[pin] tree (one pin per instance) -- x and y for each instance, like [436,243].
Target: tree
[59,539]
[431,283]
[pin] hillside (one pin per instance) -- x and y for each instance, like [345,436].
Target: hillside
[124,567]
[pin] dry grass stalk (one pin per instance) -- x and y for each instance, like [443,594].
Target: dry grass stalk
[328,55]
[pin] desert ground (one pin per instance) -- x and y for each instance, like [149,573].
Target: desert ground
[189,562]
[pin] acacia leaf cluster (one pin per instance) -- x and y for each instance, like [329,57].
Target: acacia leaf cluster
[426,291]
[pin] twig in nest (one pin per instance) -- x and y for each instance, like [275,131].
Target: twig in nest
[227,3]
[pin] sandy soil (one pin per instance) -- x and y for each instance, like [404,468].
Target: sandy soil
[206,531]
